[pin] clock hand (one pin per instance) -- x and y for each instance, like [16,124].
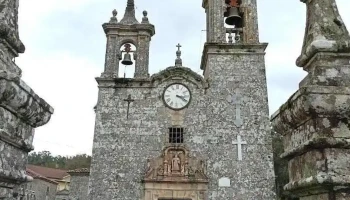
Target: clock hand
[182,98]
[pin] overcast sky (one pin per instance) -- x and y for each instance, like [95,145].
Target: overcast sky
[65,47]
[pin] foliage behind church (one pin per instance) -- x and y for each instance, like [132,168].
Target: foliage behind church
[46,159]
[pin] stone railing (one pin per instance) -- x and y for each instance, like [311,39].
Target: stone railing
[234,35]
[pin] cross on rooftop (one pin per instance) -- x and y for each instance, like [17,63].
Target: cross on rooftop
[178,46]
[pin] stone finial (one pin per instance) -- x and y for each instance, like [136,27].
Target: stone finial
[325,31]
[178,60]
[114,19]
[145,18]
[129,16]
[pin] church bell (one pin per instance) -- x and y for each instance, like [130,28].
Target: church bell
[233,17]
[127,59]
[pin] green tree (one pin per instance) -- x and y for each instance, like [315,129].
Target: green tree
[46,159]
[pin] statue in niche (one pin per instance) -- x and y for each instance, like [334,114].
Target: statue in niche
[148,168]
[176,163]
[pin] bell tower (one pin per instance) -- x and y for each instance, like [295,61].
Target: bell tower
[233,62]
[240,14]
[121,36]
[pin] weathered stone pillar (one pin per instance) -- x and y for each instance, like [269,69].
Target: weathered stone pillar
[21,110]
[314,121]
[251,25]
[216,31]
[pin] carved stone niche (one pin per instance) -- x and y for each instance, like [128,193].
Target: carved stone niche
[175,175]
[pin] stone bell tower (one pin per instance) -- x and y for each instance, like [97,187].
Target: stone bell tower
[128,31]
[234,66]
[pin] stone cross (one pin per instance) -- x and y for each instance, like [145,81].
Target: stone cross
[239,144]
[237,99]
[178,60]
[178,46]
[129,100]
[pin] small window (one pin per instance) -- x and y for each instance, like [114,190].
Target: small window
[176,135]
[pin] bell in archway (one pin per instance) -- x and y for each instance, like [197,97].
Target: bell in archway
[127,59]
[233,17]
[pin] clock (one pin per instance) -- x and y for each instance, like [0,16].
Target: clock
[177,96]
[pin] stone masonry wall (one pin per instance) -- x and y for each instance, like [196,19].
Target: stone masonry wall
[232,70]
[42,189]
[121,147]
[78,188]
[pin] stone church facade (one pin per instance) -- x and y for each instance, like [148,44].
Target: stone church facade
[177,134]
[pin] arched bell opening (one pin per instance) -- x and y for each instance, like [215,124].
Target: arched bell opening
[233,20]
[128,60]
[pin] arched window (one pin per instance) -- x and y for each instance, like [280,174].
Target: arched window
[127,63]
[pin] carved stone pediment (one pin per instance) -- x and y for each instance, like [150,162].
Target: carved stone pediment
[176,73]
[176,165]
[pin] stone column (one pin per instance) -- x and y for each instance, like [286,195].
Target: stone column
[112,57]
[21,110]
[314,122]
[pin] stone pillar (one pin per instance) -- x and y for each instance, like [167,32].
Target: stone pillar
[216,31]
[142,59]
[112,57]
[21,110]
[314,122]
[250,18]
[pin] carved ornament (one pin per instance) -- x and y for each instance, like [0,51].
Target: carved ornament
[178,72]
[175,165]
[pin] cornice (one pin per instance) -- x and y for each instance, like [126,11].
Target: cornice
[17,97]
[226,48]
[311,101]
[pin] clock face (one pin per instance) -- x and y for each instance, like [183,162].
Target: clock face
[177,96]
